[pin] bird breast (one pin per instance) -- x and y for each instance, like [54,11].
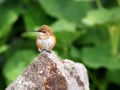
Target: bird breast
[47,44]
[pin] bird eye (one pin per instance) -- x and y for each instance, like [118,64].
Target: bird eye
[44,32]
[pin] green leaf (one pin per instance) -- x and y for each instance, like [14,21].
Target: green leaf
[31,35]
[115,76]
[115,14]
[2,1]
[71,10]
[65,33]
[94,36]
[7,19]
[100,57]
[17,63]
[20,44]
[99,16]
[3,48]
[66,38]
[34,16]
[64,42]
[75,53]
[63,28]
[61,25]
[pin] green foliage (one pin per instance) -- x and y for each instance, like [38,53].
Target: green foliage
[7,19]
[66,9]
[96,60]
[87,31]
[100,16]
[36,18]
[17,59]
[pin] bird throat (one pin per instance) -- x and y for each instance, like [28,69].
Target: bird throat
[43,36]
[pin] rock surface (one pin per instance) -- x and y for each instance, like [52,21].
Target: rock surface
[49,72]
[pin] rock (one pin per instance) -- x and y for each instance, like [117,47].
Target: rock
[49,72]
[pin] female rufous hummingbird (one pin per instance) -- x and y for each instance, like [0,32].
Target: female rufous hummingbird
[45,39]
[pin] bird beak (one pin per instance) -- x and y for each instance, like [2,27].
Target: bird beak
[33,31]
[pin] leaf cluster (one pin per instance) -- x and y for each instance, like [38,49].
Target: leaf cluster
[87,31]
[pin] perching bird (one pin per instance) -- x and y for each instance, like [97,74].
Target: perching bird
[45,39]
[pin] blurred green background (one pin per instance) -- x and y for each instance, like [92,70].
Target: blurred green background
[87,31]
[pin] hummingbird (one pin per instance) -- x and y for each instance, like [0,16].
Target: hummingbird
[45,40]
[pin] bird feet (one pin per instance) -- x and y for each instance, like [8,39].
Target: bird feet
[46,50]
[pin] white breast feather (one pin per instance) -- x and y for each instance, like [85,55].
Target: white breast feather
[46,44]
